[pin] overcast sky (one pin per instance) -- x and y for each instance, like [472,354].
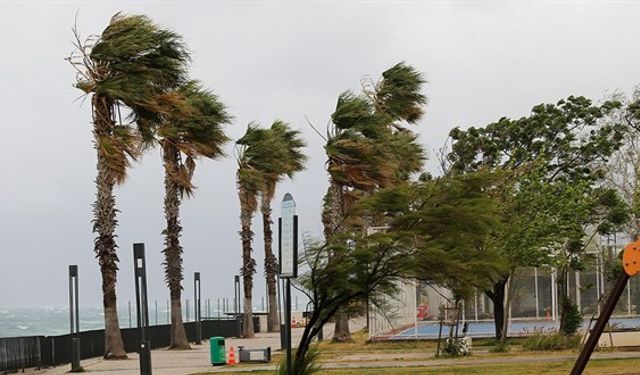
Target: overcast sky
[265,60]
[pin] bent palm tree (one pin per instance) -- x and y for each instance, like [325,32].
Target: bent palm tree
[261,156]
[291,162]
[369,149]
[125,68]
[192,129]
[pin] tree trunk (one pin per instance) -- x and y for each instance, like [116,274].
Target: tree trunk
[563,299]
[341,331]
[270,267]
[173,250]
[496,295]
[178,334]
[104,224]
[510,289]
[248,267]
[332,219]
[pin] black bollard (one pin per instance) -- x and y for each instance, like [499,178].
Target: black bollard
[142,311]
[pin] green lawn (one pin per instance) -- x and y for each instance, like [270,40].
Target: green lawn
[608,366]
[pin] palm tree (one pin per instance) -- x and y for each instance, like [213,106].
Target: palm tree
[250,182]
[263,155]
[291,162]
[369,148]
[124,69]
[192,129]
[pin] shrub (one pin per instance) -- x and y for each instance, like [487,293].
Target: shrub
[572,319]
[308,366]
[548,340]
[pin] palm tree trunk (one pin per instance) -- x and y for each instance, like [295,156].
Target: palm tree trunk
[270,266]
[341,330]
[248,268]
[104,224]
[173,250]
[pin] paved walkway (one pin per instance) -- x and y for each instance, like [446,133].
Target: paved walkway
[196,361]
[177,362]
[171,362]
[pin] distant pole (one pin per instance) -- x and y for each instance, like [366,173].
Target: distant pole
[187,307]
[156,302]
[236,293]
[142,308]
[262,308]
[218,307]
[74,319]
[129,304]
[266,293]
[279,307]
[196,307]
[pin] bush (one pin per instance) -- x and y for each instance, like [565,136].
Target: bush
[308,366]
[500,346]
[572,319]
[549,340]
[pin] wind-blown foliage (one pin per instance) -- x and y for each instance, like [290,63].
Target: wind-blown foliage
[436,229]
[291,161]
[551,163]
[368,148]
[265,157]
[125,69]
[191,128]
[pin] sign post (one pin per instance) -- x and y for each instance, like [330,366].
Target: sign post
[142,305]
[74,319]
[288,262]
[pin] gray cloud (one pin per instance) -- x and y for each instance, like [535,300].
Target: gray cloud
[283,60]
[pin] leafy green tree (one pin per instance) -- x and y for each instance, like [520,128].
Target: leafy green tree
[191,129]
[291,161]
[125,70]
[624,165]
[369,148]
[556,146]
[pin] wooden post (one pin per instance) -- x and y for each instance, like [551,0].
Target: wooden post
[594,336]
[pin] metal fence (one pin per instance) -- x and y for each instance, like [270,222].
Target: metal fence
[414,312]
[18,353]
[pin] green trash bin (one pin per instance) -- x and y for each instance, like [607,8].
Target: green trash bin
[217,351]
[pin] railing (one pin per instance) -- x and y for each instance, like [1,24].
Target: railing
[18,353]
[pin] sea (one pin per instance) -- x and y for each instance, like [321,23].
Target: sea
[54,320]
[51,320]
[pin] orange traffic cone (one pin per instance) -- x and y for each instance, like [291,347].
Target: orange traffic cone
[548,315]
[232,357]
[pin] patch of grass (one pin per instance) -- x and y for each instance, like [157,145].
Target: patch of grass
[500,346]
[596,366]
[360,344]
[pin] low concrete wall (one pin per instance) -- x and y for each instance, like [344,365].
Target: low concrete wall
[619,339]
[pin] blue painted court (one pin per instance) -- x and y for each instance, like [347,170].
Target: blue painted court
[487,329]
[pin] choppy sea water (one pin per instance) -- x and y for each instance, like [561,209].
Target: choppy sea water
[34,321]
